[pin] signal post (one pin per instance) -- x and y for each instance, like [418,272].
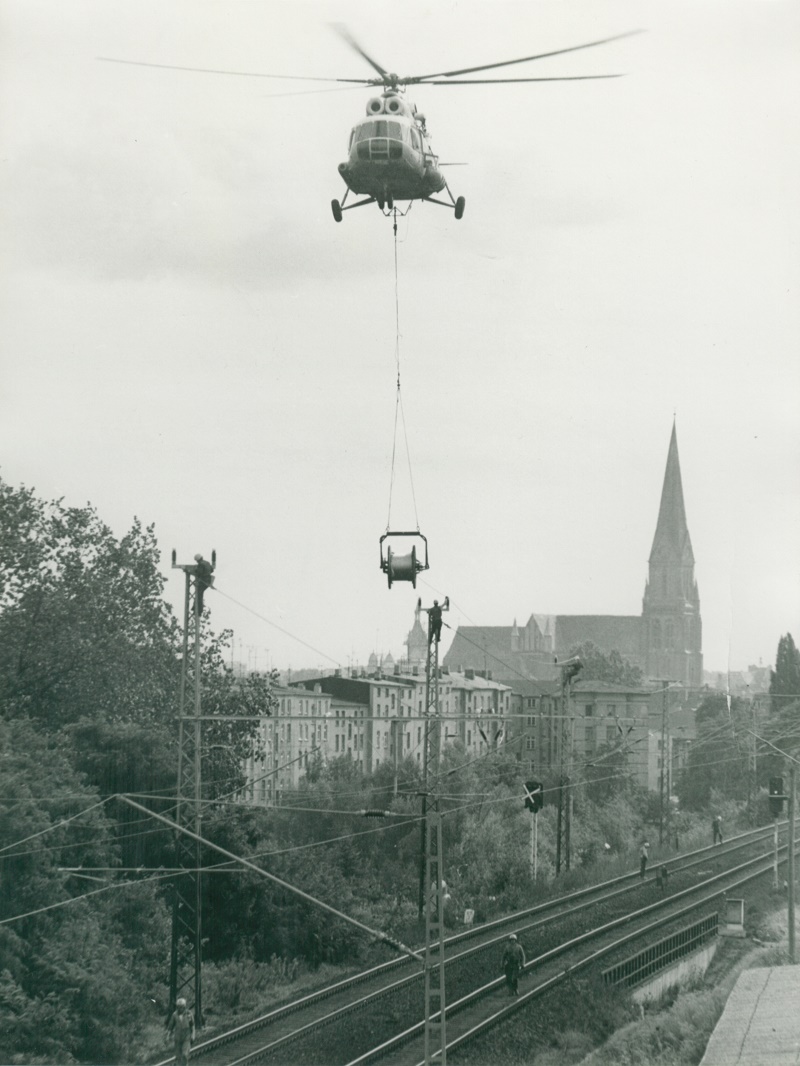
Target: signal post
[534,797]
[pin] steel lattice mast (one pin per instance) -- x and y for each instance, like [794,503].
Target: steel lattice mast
[435,1026]
[185,954]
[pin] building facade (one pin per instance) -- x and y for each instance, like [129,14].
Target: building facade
[372,719]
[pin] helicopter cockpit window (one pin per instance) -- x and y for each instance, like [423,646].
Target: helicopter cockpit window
[415,139]
[379,128]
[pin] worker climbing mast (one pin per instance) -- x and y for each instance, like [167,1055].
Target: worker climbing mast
[435,887]
[184,974]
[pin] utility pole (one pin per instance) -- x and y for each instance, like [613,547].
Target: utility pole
[663,777]
[753,761]
[185,953]
[569,668]
[790,857]
[435,1028]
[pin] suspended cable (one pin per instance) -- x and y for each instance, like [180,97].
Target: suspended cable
[276,626]
[398,409]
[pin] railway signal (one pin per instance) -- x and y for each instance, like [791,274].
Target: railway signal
[776,796]
[534,796]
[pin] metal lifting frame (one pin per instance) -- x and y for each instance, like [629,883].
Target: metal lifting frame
[435,1028]
[185,959]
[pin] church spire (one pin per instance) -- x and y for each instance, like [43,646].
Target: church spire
[671,624]
[672,542]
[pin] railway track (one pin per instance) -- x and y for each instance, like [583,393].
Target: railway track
[375,1015]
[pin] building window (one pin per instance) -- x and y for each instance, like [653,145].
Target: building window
[588,710]
[590,739]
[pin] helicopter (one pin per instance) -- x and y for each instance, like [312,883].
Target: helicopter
[390,158]
[389,153]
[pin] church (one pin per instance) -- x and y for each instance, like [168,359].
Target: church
[665,640]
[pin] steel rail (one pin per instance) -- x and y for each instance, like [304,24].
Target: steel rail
[551,982]
[600,893]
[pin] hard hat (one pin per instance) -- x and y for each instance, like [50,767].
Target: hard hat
[512,936]
[180,1003]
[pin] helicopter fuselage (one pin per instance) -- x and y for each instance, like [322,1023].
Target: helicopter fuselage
[389,156]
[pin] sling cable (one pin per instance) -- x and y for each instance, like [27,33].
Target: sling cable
[401,567]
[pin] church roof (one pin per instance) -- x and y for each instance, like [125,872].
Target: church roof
[672,533]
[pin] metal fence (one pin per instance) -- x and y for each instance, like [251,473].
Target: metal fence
[659,956]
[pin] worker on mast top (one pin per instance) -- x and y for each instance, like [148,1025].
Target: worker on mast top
[203,579]
[435,620]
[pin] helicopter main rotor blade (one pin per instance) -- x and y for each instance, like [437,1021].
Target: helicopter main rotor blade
[507,81]
[234,73]
[348,38]
[511,62]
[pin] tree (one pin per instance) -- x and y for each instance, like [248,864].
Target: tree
[84,629]
[67,964]
[599,666]
[720,756]
[784,682]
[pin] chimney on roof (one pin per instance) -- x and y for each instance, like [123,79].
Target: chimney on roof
[337,672]
[469,674]
[488,675]
[480,673]
[397,669]
[318,687]
[415,671]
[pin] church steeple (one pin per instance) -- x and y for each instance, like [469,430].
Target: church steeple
[672,543]
[671,624]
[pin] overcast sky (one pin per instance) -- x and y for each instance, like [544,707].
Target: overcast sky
[189,337]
